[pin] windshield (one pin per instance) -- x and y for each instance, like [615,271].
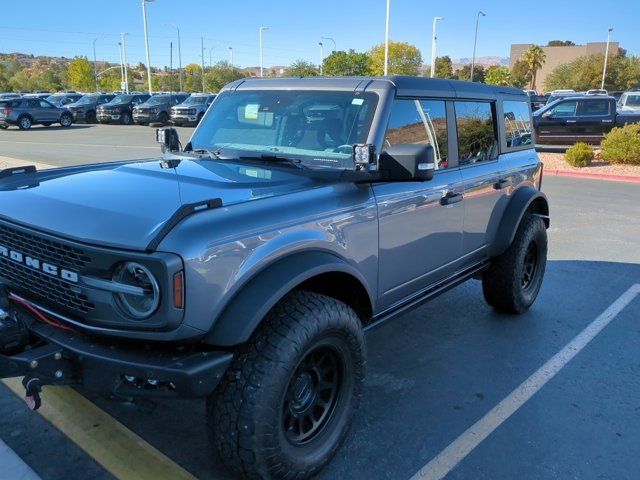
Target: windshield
[87,99]
[195,100]
[633,101]
[317,128]
[157,100]
[55,99]
[120,99]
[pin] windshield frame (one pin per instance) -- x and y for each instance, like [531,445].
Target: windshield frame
[315,159]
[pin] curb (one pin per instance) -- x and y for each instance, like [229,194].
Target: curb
[593,176]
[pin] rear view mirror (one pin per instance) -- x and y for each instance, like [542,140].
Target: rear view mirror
[408,162]
[168,139]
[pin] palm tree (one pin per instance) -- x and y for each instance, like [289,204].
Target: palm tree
[534,57]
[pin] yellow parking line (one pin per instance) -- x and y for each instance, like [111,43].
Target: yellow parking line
[120,451]
[146,147]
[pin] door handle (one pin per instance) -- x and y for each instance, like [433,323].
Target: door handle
[450,198]
[502,183]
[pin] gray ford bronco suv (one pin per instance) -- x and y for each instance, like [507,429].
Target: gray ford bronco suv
[244,266]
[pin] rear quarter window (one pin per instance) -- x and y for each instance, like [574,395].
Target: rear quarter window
[517,124]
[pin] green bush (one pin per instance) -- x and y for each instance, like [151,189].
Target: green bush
[622,145]
[580,155]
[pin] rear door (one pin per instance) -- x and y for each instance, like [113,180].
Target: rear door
[420,223]
[595,117]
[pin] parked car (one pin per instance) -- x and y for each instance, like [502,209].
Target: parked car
[191,111]
[25,112]
[85,109]
[597,91]
[558,94]
[246,267]
[42,95]
[537,101]
[62,99]
[617,95]
[9,96]
[579,119]
[120,109]
[629,101]
[157,109]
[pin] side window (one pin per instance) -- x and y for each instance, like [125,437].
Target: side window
[44,104]
[517,123]
[420,122]
[590,108]
[565,109]
[477,137]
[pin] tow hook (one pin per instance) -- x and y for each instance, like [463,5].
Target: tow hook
[33,387]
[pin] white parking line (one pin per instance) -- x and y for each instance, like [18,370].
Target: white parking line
[470,439]
[13,467]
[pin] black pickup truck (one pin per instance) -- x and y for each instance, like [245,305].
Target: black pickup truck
[579,119]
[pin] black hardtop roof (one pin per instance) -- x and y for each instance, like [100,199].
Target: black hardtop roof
[404,85]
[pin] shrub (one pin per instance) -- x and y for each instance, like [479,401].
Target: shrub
[580,155]
[622,145]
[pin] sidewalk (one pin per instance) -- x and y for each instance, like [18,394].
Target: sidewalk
[7,162]
[13,467]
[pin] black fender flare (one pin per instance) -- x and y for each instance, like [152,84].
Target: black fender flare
[524,199]
[244,312]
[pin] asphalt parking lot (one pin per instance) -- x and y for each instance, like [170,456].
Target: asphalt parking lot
[437,371]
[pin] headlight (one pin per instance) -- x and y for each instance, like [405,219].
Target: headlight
[144,297]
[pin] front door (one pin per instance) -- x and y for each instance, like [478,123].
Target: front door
[47,112]
[560,123]
[420,223]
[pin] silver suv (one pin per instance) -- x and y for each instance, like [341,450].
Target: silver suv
[191,111]
[245,267]
[25,112]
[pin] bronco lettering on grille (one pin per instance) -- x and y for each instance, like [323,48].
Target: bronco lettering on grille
[37,264]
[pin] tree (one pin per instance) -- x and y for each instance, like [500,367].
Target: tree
[534,57]
[349,63]
[498,75]
[465,73]
[560,43]
[4,78]
[623,73]
[404,59]
[80,74]
[192,80]
[221,74]
[302,68]
[519,74]
[444,67]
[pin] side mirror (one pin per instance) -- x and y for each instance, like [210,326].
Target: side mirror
[408,162]
[168,139]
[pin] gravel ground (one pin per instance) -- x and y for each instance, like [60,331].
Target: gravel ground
[555,161]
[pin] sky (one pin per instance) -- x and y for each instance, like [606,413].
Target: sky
[69,27]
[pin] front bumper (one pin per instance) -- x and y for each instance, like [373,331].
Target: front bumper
[78,116]
[108,117]
[54,356]
[145,117]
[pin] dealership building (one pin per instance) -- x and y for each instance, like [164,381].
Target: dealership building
[556,56]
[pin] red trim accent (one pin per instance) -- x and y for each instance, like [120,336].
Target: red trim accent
[40,315]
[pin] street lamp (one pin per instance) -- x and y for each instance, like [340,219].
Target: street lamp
[95,62]
[231,55]
[121,66]
[262,29]
[475,41]
[321,56]
[179,52]
[335,48]
[124,61]
[433,46]
[146,42]
[606,57]
[386,41]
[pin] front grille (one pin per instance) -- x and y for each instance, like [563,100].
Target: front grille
[36,283]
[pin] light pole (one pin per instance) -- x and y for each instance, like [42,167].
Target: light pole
[124,59]
[202,59]
[95,62]
[475,41]
[231,55]
[262,29]
[121,66]
[335,48]
[146,42]
[321,56]
[606,57]
[179,52]
[433,46]
[386,41]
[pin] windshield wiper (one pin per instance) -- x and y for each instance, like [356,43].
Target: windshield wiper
[208,152]
[294,162]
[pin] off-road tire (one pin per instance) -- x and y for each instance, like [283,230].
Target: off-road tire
[25,122]
[247,412]
[125,118]
[66,120]
[506,285]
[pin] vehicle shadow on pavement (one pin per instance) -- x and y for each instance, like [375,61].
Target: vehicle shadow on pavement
[431,374]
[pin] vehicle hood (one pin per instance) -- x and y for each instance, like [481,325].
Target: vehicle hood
[80,105]
[125,205]
[146,105]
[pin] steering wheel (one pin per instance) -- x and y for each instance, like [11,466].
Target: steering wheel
[343,149]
